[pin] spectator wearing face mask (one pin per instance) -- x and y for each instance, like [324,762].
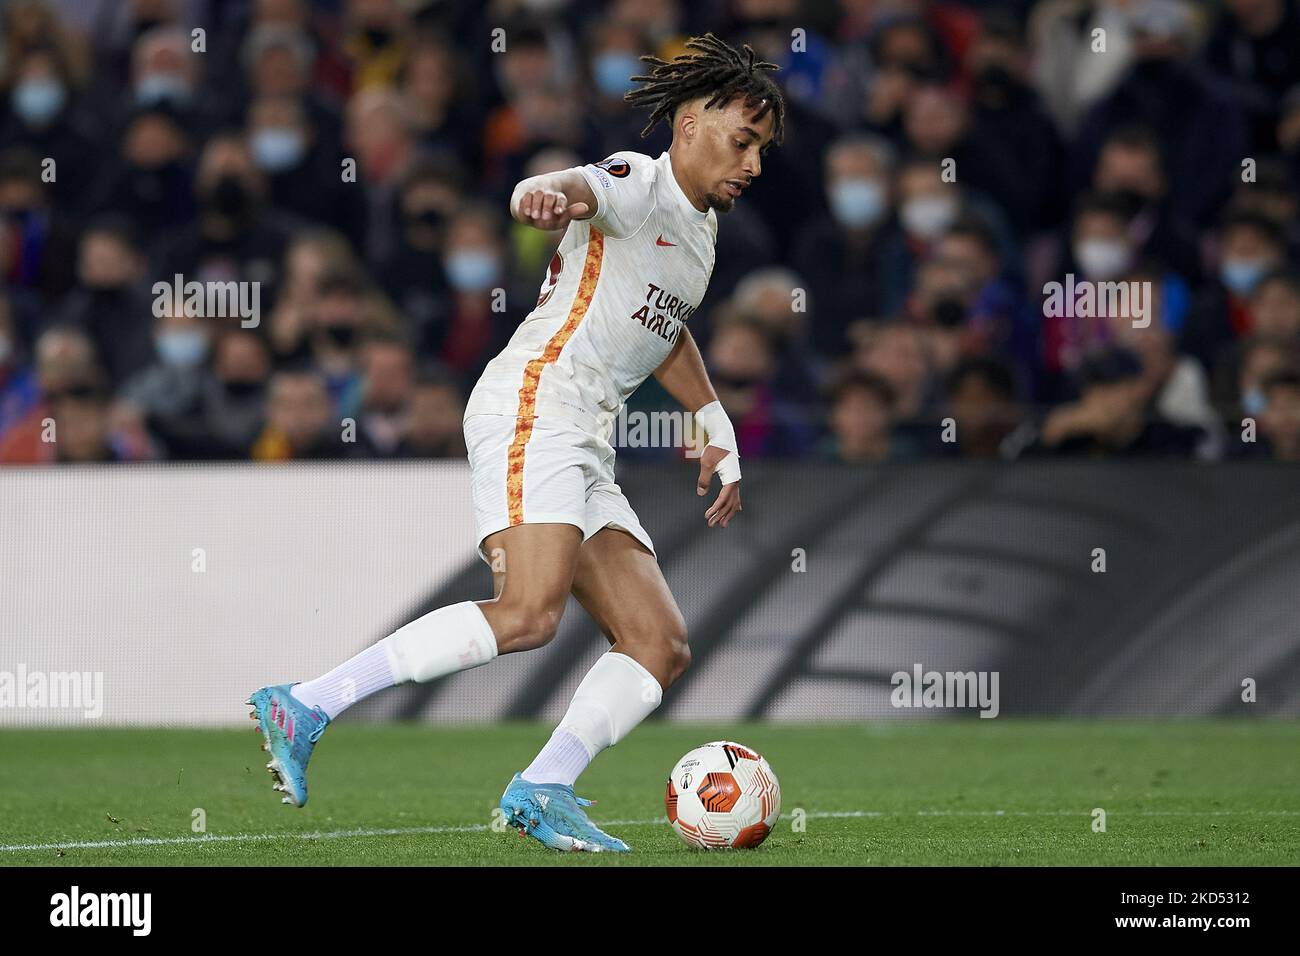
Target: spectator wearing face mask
[1250,247]
[938,127]
[1275,304]
[237,238]
[234,403]
[938,309]
[334,332]
[312,256]
[1242,396]
[1132,168]
[849,256]
[42,116]
[204,398]
[165,70]
[1101,250]
[302,175]
[281,144]
[286,58]
[615,56]
[928,206]
[479,319]
[168,74]
[413,275]
[173,385]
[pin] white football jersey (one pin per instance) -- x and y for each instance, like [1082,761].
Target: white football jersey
[617,293]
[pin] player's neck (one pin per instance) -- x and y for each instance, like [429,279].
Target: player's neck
[678,165]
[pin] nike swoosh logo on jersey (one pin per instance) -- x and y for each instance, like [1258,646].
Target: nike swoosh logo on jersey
[660,241]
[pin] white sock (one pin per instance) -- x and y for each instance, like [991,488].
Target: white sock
[450,639]
[561,761]
[615,696]
[353,680]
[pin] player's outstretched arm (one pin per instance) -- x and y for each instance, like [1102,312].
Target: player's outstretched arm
[683,376]
[552,200]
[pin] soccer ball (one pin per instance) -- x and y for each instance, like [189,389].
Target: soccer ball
[723,795]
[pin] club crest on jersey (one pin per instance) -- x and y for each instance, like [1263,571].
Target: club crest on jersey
[618,168]
[552,277]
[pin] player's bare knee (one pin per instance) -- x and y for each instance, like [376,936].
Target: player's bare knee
[544,623]
[525,627]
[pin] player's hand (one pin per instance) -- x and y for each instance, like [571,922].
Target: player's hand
[728,502]
[548,209]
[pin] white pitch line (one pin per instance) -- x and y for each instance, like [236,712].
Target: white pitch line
[480,827]
[236,838]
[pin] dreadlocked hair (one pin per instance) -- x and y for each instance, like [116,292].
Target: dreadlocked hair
[714,68]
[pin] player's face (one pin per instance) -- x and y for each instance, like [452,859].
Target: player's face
[731,147]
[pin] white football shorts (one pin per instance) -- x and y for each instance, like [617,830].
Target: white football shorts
[543,470]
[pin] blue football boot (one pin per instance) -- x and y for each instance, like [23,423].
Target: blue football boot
[552,813]
[291,729]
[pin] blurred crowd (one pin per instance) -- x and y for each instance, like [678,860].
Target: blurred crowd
[878,295]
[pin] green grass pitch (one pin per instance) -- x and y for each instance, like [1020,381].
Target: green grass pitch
[983,792]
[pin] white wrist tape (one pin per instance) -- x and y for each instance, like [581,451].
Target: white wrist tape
[722,435]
